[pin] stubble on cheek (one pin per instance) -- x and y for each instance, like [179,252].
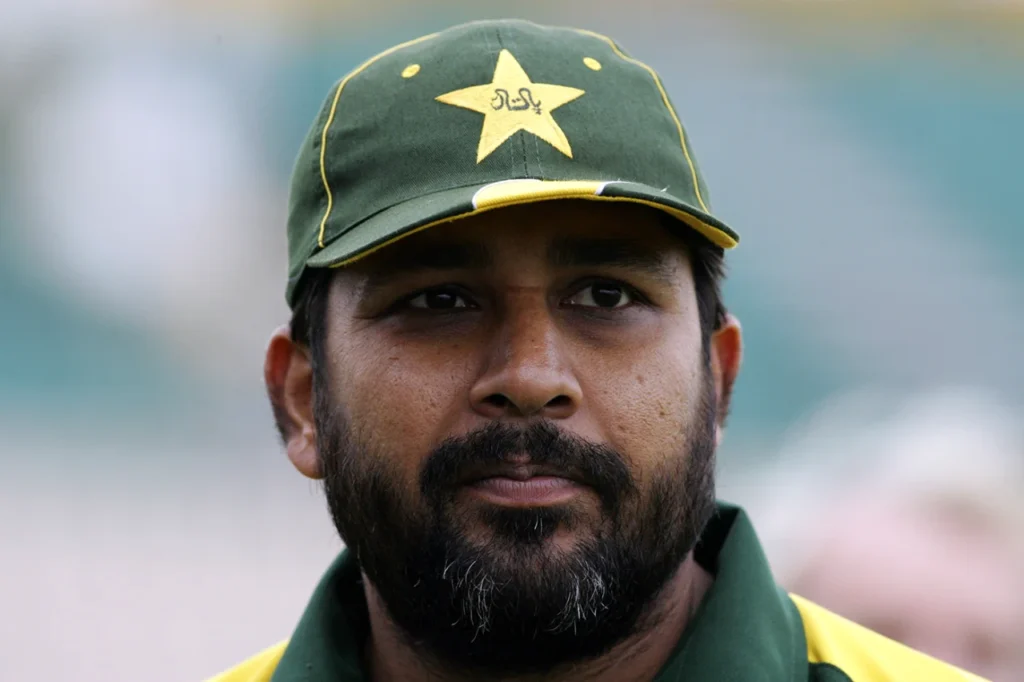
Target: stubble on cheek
[406,396]
[651,414]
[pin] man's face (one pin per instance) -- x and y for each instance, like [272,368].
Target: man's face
[515,418]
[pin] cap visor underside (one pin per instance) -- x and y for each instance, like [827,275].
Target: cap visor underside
[421,213]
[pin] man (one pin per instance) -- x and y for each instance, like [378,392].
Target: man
[510,365]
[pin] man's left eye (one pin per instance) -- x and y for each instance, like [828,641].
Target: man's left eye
[602,295]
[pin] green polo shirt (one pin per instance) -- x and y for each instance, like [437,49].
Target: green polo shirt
[747,628]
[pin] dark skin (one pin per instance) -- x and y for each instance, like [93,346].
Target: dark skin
[580,313]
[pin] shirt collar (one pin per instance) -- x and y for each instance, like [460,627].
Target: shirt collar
[747,628]
[328,643]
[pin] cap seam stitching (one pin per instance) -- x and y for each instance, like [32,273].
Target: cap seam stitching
[522,138]
[330,120]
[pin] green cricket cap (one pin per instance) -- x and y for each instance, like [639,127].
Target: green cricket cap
[483,116]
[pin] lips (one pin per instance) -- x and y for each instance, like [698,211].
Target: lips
[503,457]
[522,484]
[516,472]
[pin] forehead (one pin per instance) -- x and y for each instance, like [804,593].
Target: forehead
[563,233]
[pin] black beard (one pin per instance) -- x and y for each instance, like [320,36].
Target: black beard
[514,604]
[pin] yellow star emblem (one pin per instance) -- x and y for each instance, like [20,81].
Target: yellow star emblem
[510,103]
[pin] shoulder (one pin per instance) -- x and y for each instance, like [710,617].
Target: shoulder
[259,668]
[837,644]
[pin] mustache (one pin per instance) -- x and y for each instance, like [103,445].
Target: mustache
[542,443]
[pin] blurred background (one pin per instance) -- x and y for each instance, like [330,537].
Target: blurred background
[868,152]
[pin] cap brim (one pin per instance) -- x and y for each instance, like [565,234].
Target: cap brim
[421,213]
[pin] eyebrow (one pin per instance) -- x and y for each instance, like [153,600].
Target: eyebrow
[405,259]
[571,252]
[630,254]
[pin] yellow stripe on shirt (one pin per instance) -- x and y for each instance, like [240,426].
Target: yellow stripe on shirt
[867,656]
[259,668]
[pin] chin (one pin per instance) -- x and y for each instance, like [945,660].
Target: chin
[526,591]
[532,528]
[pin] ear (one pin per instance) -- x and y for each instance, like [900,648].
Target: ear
[288,375]
[726,358]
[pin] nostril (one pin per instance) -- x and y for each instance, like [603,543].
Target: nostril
[559,401]
[497,400]
[498,404]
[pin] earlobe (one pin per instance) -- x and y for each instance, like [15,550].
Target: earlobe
[726,358]
[303,454]
[289,380]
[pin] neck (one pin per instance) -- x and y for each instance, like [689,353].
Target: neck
[639,657]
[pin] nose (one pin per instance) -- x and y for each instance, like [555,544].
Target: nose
[528,373]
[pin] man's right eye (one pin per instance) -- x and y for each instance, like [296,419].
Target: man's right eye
[439,299]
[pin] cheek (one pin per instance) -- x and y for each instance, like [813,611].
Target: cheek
[402,400]
[647,399]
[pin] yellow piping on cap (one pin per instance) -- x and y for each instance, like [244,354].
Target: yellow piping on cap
[668,105]
[330,120]
[515,192]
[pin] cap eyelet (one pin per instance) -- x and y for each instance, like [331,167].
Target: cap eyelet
[410,71]
[592,63]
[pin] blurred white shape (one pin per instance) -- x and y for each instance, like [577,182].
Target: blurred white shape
[958,442]
[149,200]
[127,165]
[907,517]
[28,28]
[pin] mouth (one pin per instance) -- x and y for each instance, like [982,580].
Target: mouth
[523,485]
[517,471]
